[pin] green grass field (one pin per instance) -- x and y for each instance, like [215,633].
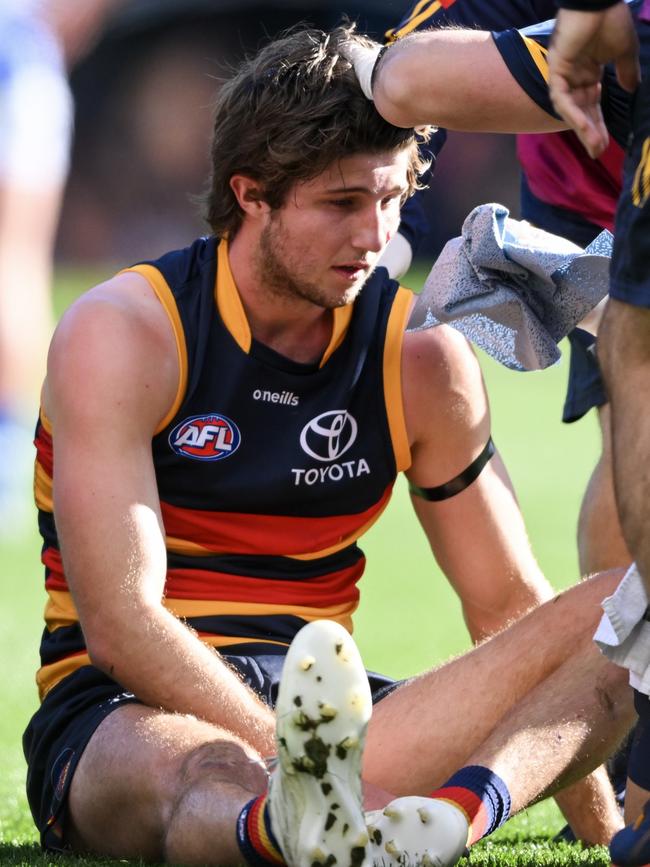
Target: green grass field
[409,618]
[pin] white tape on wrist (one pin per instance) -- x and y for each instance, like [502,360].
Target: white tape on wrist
[363,60]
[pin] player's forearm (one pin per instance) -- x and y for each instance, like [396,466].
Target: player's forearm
[116,568]
[154,655]
[414,84]
[437,77]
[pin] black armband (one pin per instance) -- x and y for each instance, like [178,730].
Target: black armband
[586,5]
[460,482]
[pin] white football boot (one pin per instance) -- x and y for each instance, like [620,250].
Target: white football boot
[323,709]
[415,831]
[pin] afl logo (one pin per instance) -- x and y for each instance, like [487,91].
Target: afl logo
[329,435]
[205,437]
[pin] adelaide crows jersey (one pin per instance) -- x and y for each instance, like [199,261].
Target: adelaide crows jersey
[268,471]
[563,189]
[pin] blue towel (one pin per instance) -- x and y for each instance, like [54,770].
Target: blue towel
[513,290]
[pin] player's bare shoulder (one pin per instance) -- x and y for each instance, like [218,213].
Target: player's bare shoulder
[442,382]
[114,347]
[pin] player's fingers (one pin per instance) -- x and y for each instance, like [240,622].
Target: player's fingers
[580,108]
[589,126]
[588,123]
[594,138]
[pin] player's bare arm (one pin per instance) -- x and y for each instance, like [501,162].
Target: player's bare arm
[477,535]
[438,77]
[113,376]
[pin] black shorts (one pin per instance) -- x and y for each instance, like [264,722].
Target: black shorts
[585,386]
[71,712]
[630,276]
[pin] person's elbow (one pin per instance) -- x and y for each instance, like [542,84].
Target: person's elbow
[517,599]
[113,637]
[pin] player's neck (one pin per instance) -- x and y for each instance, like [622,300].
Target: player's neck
[291,326]
[300,338]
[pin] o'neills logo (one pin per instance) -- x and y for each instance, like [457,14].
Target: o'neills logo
[286,397]
[208,437]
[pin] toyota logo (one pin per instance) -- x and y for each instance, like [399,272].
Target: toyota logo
[329,435]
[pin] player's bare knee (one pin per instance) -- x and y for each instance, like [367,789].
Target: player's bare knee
[216,779]
[614,695]
[224,761]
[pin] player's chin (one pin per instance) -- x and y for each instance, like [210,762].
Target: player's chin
[349,292]
[348,297]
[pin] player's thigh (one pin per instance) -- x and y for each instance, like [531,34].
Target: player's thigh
[630,273]
[433,722]
[135,768]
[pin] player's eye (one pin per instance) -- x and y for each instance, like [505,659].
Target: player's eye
[391,200]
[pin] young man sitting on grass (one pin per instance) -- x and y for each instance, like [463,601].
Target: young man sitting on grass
[218,429]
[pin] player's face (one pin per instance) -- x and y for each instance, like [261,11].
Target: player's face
[324,241]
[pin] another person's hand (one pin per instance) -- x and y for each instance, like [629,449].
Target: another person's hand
[582,43]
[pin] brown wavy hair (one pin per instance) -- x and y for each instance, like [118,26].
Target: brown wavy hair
[287,114]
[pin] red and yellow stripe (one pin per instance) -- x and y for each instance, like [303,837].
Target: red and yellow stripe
[201,531]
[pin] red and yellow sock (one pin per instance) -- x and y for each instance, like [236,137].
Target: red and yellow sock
[482,795]
[255,837]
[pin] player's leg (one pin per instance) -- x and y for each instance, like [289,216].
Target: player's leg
[432,723]
[624,354]
[624,348]
[161,787]
[116,778]
[624,337]
[600,539]
[537,698]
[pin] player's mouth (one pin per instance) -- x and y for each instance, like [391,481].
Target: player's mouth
[353,270]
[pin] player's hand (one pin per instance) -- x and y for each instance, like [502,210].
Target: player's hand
[582,43]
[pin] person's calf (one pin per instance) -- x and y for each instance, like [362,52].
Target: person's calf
[201,828]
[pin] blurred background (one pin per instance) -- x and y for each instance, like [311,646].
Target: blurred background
[143,100]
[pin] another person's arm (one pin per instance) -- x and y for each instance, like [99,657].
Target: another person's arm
[453,78]
[112,377]
[478,535]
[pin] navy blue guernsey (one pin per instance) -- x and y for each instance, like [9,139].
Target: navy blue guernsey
[268,471]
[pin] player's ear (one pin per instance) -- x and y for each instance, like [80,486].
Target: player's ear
[250,195]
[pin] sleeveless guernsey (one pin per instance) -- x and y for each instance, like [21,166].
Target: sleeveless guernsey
[268,470]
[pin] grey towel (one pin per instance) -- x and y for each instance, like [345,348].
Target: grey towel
[513,290]
[623,633]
